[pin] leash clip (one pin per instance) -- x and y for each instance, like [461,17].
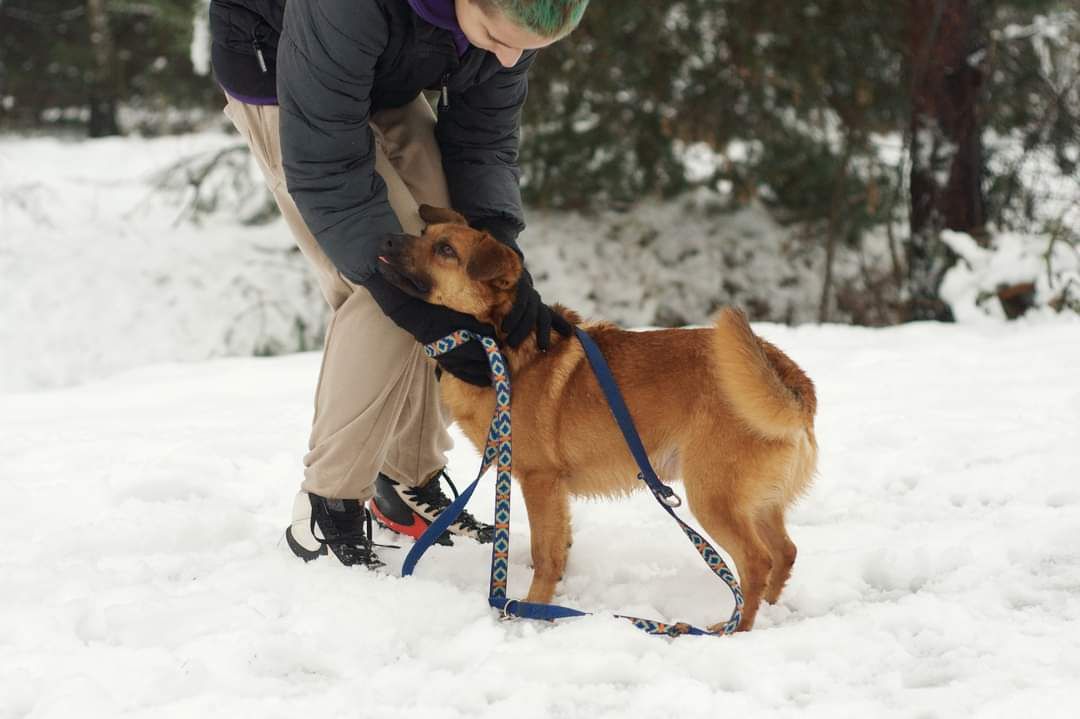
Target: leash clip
[663,493]
[669,499]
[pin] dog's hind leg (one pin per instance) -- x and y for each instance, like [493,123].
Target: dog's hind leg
[770,523]
[736,534]
[548,504]
[716,506]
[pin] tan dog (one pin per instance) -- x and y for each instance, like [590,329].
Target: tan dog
[727,412]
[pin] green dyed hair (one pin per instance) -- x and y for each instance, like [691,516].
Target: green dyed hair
[547,18]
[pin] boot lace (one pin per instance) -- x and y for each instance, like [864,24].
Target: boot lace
[349,537]
[433,495]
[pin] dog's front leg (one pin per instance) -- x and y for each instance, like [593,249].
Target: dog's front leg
[548,505]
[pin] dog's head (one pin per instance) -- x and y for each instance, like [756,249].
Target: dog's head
[452,265]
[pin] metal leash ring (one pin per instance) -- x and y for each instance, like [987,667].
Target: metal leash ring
[672,500]
[505,611]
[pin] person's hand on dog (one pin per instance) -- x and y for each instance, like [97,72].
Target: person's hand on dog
[429,323]
[529,312]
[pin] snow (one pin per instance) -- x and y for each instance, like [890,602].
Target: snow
[200,39]
[102,271]
[970,285]
[148,474]
[938,571]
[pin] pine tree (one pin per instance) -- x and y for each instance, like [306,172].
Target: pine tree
[57,56]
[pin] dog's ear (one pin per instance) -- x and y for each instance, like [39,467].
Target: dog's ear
[441,215]
[494,262]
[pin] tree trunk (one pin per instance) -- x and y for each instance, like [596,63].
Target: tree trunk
[946,150]
[834,229]
[102,85]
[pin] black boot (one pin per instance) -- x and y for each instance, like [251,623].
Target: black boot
[339,528]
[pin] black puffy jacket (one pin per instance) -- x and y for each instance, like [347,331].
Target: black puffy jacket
[337,62]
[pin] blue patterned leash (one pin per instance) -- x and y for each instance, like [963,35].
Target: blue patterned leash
[498,450]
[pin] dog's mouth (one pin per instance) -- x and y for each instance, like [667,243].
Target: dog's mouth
[407,283]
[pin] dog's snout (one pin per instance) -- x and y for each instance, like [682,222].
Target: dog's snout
[394,244]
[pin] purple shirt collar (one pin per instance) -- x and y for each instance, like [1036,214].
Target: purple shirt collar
[441,13]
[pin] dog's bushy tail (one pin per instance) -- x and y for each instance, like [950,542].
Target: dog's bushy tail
[764,387]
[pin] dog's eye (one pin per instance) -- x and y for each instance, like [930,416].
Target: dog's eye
[445,249]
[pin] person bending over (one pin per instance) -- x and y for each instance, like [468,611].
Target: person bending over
[328,94]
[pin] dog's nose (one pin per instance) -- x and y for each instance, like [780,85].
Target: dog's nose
[392,243]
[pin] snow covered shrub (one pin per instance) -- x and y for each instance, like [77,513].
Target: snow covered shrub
[222,181]
[1015,274]
[670,263]
[157,237]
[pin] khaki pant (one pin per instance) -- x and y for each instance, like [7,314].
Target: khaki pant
[377,406]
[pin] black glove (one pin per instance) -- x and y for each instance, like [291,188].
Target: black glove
[530,312]
[502,229]
[428,323]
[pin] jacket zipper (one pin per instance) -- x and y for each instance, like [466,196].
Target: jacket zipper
[259,57]
[444,95]
[445,47]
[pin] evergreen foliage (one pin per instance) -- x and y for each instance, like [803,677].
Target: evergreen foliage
[46,61]
[811,108]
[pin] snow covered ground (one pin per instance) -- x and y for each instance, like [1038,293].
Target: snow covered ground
[938,571]
[146,488]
